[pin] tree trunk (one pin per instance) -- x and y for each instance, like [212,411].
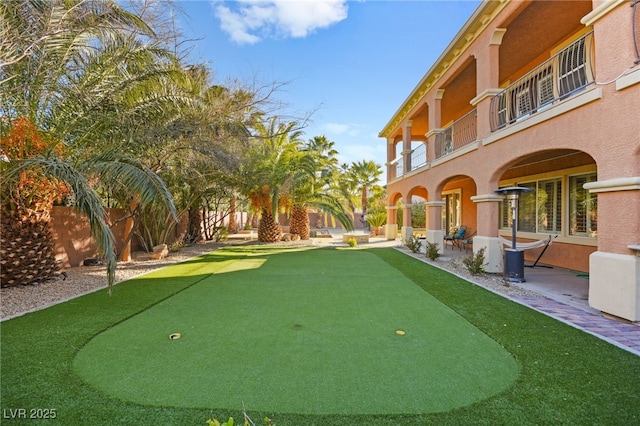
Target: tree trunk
[194,232]
[125,255]
[233,227]
[300,222]
[27,253]
[269,230]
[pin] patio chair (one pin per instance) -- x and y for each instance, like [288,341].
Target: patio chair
[467,241]
[456,236]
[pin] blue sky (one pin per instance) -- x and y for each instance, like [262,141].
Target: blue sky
[351,62]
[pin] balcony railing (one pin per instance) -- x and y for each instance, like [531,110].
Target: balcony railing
[566,73]
[462,132]
[419,157]
[398,166]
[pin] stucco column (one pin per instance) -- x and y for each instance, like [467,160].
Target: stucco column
[407,228]
[487,81]
[435,234]
[488,215]
[391,155]
[614,270]
[406,146]
[391,228]
[435,116]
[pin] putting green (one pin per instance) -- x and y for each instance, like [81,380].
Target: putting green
[311,331]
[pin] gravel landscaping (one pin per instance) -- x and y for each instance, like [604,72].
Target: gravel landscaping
[16,301]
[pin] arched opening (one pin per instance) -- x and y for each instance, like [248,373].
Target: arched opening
[559,206]
[458,209]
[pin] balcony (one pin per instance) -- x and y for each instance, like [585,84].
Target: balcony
[396,165]
[462,132]
[419,157]
[563,75]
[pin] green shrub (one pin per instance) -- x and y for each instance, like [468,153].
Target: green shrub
[377,219]
[352,242]
[221,234]
[475,264]
[414,244]
[433,251]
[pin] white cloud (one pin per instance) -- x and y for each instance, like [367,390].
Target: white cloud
[249,21]
[341,129]
[336,128]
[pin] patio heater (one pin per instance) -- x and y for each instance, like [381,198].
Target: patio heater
[514,258]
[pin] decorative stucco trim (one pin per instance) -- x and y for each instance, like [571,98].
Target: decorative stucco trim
[435,203]
[600,11]
[489,93]
[614,185]
[554,111]
[496,37]
[391,207]
[628,80]
[487,198]
[432,132]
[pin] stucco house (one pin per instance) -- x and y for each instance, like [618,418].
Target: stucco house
[543,95]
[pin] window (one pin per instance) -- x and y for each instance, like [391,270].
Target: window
[532,93]
[452,212]
[583,207]
[539,211]
[522,101]
[545,88]
[549,197]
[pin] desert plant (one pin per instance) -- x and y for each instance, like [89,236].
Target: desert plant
[222,234]
[475,264]
[414,244]
[433,251]
[376,219]
[352,242]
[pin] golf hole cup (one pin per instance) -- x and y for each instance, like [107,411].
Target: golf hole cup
[175,336]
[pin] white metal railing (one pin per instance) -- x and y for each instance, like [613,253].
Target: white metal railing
[462,132]
[419,156]
[567,72]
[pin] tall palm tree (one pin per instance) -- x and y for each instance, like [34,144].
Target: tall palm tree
[311,186]
[270,171]
[365,175]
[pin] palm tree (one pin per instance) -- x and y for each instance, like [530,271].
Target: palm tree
[365,175]
[270,172]
[75,72]
[311,186]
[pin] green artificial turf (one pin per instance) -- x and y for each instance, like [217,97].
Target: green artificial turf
[565,376]
[316,340]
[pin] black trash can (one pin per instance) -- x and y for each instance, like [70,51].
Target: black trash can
[514,265]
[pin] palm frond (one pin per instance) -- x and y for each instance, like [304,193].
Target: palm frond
[135,177]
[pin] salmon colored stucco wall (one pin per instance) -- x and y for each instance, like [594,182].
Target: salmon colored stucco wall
[73,241]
